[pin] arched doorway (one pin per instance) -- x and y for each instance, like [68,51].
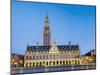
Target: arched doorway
[54,63]
[26,64]
[63,62]
[30,64]
[33,64]
[66,62]
[69,62]
[57,62]
[50,62]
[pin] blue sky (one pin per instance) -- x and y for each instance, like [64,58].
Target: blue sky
[75,23]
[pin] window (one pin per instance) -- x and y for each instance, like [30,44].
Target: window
[60,56]
[37,64]
[26,57]
[54,56]
[30,58]
[40,63]
[75,61]
[43,56]
[66,62]
[63,62]
[60,62]
[37,57]
[47,56]
[26,64]
[50,56]
[47,63]
[70,62]
[40,57]
[33,57]
[33,64]
[53,62]
[30,64]
[50,62]
[43,62]
[57,62]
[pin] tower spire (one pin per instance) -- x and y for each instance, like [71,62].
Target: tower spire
[46,31]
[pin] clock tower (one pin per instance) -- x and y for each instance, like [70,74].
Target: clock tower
[46,37]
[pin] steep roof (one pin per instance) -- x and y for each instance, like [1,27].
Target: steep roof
[47,48]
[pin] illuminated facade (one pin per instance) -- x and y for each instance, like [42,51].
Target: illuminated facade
[51,55]
[54,55]
[17,60]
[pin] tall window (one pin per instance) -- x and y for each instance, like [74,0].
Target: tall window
[43,56]
[33,64]
[40,63]
[53,62]
[26,57]
[60,62]
[54,56]
[66,62]
[37,57]
[26,64]
[33,57]
[30,57]
[63,62]
[57,62]
[50,56]
[47,63]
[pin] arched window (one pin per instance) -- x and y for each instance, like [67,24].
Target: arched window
[57,62]
[60,62]
[50,62]
[63,62]
[33,64]
[75,61]
[43,62]
[53,62]
[47,63]
[66,62]
[69,62]
[36,63]
[26,64]
[30,64]
[40,63]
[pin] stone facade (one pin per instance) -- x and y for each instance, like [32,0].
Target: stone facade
[52,55]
